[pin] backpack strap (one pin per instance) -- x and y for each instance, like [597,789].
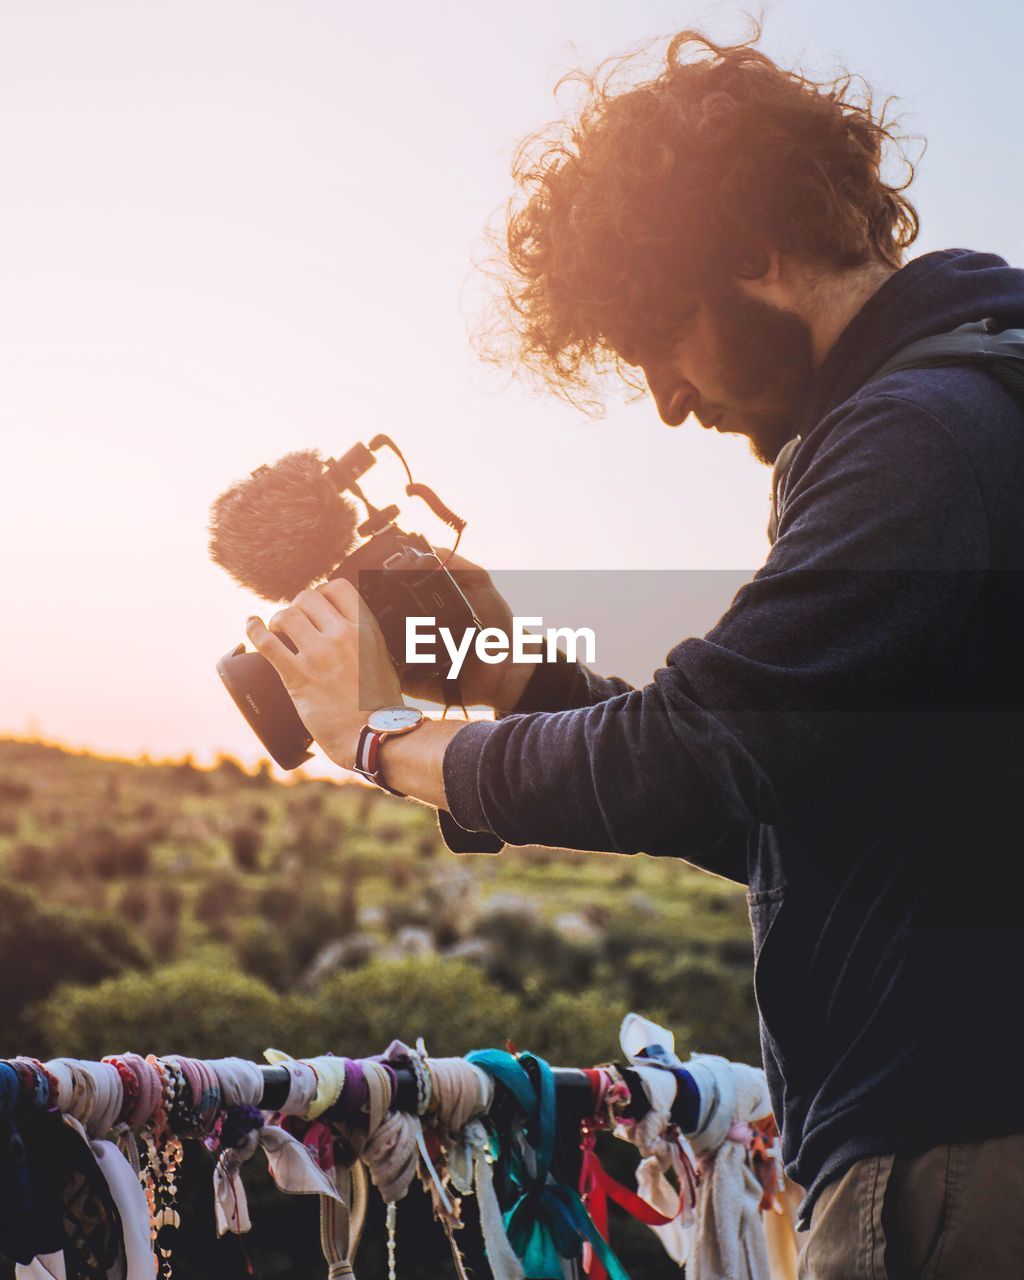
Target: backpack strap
[779,473]
[978,343]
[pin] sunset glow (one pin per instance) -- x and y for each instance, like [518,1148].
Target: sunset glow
[229,233]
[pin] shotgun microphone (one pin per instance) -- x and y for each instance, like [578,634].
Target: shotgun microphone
[283,527]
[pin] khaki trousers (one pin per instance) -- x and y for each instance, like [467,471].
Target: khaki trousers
[954,1213]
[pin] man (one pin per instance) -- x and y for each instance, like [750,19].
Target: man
[847,739]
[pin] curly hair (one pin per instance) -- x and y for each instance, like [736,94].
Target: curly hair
[657,188]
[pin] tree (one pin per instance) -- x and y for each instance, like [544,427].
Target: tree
[43,945]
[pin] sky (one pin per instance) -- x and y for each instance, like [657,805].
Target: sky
[229,230]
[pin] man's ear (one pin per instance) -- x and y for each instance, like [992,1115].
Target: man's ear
[766,278]
[759,265]
[773,274]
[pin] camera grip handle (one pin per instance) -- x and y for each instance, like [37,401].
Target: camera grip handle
[260,695]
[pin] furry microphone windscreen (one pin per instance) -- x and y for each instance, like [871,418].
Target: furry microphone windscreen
[283,528]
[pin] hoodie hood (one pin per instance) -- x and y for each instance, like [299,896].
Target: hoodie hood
[930,295]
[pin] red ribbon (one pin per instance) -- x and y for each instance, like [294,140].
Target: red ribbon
[763,1162]
[597,1187]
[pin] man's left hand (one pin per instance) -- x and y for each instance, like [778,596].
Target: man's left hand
[342,670]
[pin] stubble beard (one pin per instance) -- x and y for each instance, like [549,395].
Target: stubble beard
[766,364]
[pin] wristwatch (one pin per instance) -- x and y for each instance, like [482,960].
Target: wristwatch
[385,722]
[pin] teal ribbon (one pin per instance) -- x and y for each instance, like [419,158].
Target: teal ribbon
[548,1220]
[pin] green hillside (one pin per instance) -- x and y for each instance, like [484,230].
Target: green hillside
[167,908]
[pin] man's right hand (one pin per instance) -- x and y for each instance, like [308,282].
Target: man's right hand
[499,685]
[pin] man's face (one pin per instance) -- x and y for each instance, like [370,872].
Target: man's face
[740,366]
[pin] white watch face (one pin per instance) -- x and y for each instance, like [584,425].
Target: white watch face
[394,719]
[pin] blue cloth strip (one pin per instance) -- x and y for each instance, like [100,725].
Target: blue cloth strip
[548,1220]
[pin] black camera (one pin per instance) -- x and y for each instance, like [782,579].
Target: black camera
[397,574]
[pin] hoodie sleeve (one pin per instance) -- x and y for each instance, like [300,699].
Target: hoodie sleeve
[563,685]
[882,550]
[553,686]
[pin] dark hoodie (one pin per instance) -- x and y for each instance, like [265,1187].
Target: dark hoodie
[848,741]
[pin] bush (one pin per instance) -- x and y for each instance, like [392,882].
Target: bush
[187,1008]
[451,1004]
[428,845]
[303,916]
[389,834]
[402,871]
[263,953]
[42,945]
[711,1007]
[156,909]
[105,851]
[30,863]
[226,766]
[188,777]
[246,842]
[119,857]
[522,947]
[264,775]
[220,901]
[135,903]
[348,899]
[13,791]
[572,1030]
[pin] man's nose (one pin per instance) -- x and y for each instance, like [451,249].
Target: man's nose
[675,401]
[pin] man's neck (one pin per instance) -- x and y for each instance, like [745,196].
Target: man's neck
[832,304]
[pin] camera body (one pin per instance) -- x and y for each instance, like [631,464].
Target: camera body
[397,574]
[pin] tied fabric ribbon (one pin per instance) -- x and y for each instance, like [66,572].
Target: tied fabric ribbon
[761,1139]
[303,1082]
[55,1200]
[650,1049]
[16,1197]
[134,1258]
[655,1203]
[547,1222]
[237,1086]
[291,1166]
[597,1187]
[471,1164]
[731,1237]
[663,1149]
[73,1200]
